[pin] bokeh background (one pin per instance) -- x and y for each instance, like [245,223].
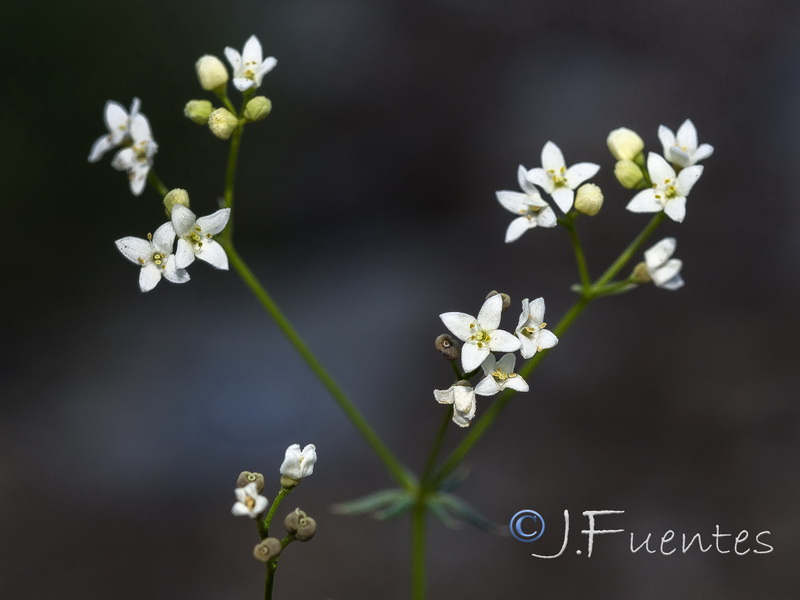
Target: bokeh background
[366,204]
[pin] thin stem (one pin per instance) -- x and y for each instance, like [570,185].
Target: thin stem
[632,248]
[418,531]
[230,178]
[580,257]
[156,182]
[272,510]
[395,467]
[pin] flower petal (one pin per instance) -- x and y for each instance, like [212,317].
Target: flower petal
[487,386]
[660,253]
[183,219]
[676,209]
[163,238]
[134,249]
[184,255]
[517,383]
[102,145]
[444,396]
[216,222]
[149,276]
[563,197]
[547,339]
[666,137]
[644,202]
[687,136]
[666,272]
[552,157]
[252,50]
[538,177]
[458,323]
[659,169]
[214,254]
[512,201]
[489,315]
[687,178]
[547,218]
[472,356]
[517,227]
[234,58]
[503,341]
[703,152]
[580,172]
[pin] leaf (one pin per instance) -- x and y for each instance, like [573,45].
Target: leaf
[384,504]
[462,511]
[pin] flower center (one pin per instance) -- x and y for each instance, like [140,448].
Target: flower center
[249,502]
[196,237]
[559,179]
[159,260]
[670,192]
[481,337]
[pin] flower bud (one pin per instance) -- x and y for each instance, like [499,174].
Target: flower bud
[448,347]
[589,199]
[246,477]
[257,108]
[198,111]
[211,73]
[624,143]
[641,274]
[222,123]
[506,299]
[628,174]
[300,525]
[176,196]
[267,549]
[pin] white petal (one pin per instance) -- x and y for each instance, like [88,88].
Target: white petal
[140,129]
[264,68]
[472,356]
[580,172]
[522,179]
[506,363]
[174,274]
[668,271]
[703,152]
[138,177]
[687,136]
[525,314]
[547,218]
[512,201]
[659,253]
[487,387]
[458,323]
[673,284]
[124,160]
[240,509]
[552,158]
[163,238]
[538,177]
[444,396]
[149,276]
[234,58]
[184,255]
[252,50]
[102,145]
[537,311]
[547,339]
[659,169]
[666,137]
[489,315]
[261,505]
[563,197]
[644,202]
[517,227]
[503,341]
[527,346]
[242,83]
[464,398]
[183,219]
[676,209]
[687,178]
[517,383]
[134,248]
[216,222]
[488,364]
[214,254]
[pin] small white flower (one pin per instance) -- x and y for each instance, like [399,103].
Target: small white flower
[137,159]
[248,68]
[499,375]
[531,330]
[664,270]
[669,190]
[249,502]
[195,237]
[299,463]
[462,397]
[155,257]
[682,149]
[118,122]
[480,336]
[529,205]
[557,180]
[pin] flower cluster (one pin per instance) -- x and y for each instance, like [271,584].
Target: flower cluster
[158,256]
[481,336]
[130,132]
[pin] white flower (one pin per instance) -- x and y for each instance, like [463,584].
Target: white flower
[480,336]
[669,191]
[137,159]
[249,502]
[195,237]
[299,463]
[663,270]
[248,68]
[462,397]
[556,179]
[682,149]
[118,122]
[533,210]
[155,257]
[531,330]
[500,375]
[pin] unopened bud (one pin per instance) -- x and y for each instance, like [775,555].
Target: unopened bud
[211,73]
[300,525]
[267,549]
[246,477]
[198,111]
[641,274]
[289,482]
[624,143]
[628,174]
[506,299]
[589,199]
[448,347]
[176,196]
[222,123]
[257,108]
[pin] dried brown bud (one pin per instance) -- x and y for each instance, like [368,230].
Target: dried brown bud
[267,549]
[299,524]
[448,347]
[506,299]
[246,477]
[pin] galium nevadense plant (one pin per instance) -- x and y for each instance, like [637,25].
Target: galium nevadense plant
[481,352]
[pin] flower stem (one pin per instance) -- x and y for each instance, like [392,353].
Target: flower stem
[632,248]
[418,531]
[263,528]
[580,257]
[156,182]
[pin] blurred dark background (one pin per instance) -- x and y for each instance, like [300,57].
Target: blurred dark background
[366,204]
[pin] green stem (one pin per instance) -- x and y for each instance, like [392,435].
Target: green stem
[156,182]
[580,257]
[418,547]
[230,179]
[395,467]
[632,249]
[264,528]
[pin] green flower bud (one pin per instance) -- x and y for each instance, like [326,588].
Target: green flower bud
[506,299]
[211,73]
[176,196]
[300,525]
[267,549]
[246,477]
[624,143]
[222,123]
[628,174]
[198,111]
[448,347]
[257,108]
[589,199]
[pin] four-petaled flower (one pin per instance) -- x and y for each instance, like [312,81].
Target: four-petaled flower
[669,190]
[137,159]
[249,502]
[248,68]
[529,205]
[662,269]
[195,237]
[499,375]
[531,330]
[118,122]
[556,179]
[155,257]
[299,463]
[462,397]
[480,336]
[681,149]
